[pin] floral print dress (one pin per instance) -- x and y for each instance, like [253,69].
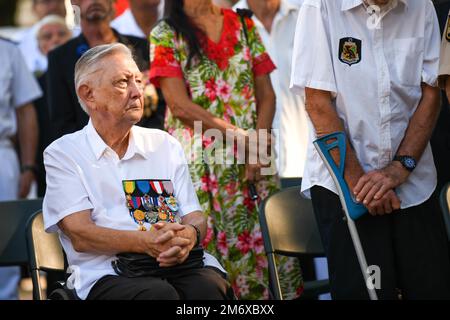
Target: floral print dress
[222,82]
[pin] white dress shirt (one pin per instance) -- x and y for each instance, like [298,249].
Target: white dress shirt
[377,94]
[17,87]
[126,23]
[28,45]
[290,119]
[83,173]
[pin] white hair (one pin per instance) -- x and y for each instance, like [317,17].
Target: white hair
[89,63]
[50,19]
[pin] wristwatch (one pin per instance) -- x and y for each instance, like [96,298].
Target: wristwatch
[197,230]
[32,168]
[408,162]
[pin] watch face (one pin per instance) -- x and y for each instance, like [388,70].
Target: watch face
[409,163]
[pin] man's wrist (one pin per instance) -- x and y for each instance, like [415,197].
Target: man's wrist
[28,168]
[407,162]
[399,171]
[197,234]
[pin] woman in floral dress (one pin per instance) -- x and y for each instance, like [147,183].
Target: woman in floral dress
[212,69]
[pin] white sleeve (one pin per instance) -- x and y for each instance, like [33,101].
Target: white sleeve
[312,64]
[25,88]
[432,37]
[65,192]
[184,189]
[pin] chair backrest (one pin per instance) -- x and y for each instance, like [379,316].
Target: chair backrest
[289,226]
[445,206]
[13,219]
[44,249]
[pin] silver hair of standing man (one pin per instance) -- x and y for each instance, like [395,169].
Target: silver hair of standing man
[89,63]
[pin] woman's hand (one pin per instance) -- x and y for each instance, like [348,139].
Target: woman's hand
[252,172]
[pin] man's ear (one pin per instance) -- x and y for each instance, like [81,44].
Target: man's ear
[86,95]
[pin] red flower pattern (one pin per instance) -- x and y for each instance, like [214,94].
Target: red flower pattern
[222,243]
[222,51]
[244,243]
[211,89]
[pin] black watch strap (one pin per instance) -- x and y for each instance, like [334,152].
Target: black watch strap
[197,230]
[26,168]
[409,163]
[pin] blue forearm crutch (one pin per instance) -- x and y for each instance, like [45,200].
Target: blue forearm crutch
[352,210]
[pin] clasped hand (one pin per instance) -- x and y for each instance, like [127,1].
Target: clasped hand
[376,189]
[170,243]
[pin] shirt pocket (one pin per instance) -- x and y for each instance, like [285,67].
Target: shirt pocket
[409,60]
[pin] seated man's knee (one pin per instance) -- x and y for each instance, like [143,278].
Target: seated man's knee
[210,286]
[161,290]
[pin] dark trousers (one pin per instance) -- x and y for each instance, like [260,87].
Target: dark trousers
[195,284]
[409,246]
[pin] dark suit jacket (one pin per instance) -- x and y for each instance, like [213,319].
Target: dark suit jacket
[66,114]
[440,141]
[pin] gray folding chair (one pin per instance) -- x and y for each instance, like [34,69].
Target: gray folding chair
[13,219]
[45,254]
[289,228]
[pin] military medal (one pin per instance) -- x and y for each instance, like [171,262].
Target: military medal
[129,187]
[151,201]
[157,186]
[139,218]
[168,187]
[172,203]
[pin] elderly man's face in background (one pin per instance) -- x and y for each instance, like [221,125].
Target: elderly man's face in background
[95,10]
[118,90]
[52,35]
[44,8]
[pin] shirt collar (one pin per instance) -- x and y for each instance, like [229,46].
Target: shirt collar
[99,147]
[350,4]
[285,7]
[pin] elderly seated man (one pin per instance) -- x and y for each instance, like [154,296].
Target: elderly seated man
[121,198]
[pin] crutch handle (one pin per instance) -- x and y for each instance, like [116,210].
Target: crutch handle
[324,146]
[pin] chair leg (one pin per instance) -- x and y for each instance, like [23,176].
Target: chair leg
[274,279]
[36,280]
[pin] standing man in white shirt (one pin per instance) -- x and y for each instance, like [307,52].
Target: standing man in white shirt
[276,21]
[369,68]
[114,188]
[140,17]
[18,89]
[28,44]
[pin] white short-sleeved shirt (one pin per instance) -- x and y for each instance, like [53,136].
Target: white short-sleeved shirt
[127,24]
[17,87]
[83,173]
[375,75]
[290,119]
[29,46]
